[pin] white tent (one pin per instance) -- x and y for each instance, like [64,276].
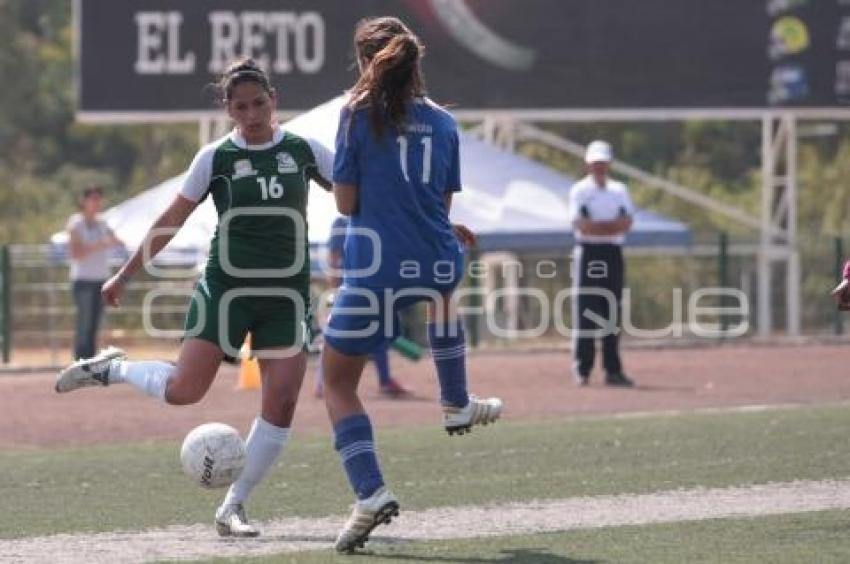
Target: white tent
[510,201]
[516,204]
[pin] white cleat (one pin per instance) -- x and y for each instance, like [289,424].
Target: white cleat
[379,509]
[230,521]
[85,372]
[477,412]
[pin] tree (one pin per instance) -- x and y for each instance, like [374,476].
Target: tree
[46,156]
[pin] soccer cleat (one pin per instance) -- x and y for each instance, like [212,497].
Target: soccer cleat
[478,411]
[92,371]
[379,509]
[392,389]
[230,521]
[619,380]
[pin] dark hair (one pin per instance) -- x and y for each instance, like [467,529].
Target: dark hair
[90,191]
[239,72]
[390,55]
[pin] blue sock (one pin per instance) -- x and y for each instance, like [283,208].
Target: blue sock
[449,353]
[381,358]
[356,447]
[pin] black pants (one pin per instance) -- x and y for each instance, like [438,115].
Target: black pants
[89,313]
[599,273]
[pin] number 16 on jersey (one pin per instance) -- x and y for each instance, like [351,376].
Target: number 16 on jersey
[270,187]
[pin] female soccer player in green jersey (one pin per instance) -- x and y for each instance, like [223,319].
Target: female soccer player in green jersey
[256,279]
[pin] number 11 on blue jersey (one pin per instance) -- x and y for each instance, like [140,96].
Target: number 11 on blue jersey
[426,157]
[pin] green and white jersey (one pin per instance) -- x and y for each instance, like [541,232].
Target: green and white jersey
[260,193]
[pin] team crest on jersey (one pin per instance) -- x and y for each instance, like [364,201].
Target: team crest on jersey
[286,163]
[243,168]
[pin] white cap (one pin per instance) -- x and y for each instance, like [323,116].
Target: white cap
[598,151]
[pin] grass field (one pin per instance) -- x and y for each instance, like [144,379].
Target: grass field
[805,537]
[132,487]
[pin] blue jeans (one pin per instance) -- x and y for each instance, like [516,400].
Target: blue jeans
[89,313]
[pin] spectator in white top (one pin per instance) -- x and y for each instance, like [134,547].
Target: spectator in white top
[90,242]
[601,215]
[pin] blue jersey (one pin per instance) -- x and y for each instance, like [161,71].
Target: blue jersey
[336,242]
[403,178]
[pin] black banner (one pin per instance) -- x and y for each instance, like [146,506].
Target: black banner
[158,56]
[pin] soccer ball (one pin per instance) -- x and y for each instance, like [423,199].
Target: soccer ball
[213,455]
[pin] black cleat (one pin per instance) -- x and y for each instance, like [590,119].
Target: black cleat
[462,430]
[619,380]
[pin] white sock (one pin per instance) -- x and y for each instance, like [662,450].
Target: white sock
[265,442]
[149,376]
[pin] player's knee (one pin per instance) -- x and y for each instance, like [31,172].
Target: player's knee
[287,404]
[182,400]
[184,397]
[284,408]
[333,380]
[340,387]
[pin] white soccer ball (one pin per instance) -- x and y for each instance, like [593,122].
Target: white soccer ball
[213,455]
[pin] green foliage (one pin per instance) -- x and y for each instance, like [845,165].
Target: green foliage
[46,157]
[718,159]
[723,160]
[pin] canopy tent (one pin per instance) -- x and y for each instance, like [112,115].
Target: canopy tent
[516,204]
[511,202]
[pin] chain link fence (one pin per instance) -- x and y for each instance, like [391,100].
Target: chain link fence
[514,300]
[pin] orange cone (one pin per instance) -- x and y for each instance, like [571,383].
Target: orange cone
[249,368]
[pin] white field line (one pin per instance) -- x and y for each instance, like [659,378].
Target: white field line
[296,534]
[721,410]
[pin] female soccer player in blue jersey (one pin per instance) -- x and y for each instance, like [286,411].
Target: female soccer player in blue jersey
[395,170]
[257,277]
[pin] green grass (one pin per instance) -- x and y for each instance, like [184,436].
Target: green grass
[803,537]
[136,486]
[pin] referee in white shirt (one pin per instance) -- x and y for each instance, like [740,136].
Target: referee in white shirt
[601,214]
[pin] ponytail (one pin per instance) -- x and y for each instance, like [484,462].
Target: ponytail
[391,76]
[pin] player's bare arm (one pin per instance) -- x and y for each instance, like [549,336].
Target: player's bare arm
[159,235]
[346,198]
[463,233]
[841,293]
[322,181]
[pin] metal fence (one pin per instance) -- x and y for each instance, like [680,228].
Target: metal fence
[520,297]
